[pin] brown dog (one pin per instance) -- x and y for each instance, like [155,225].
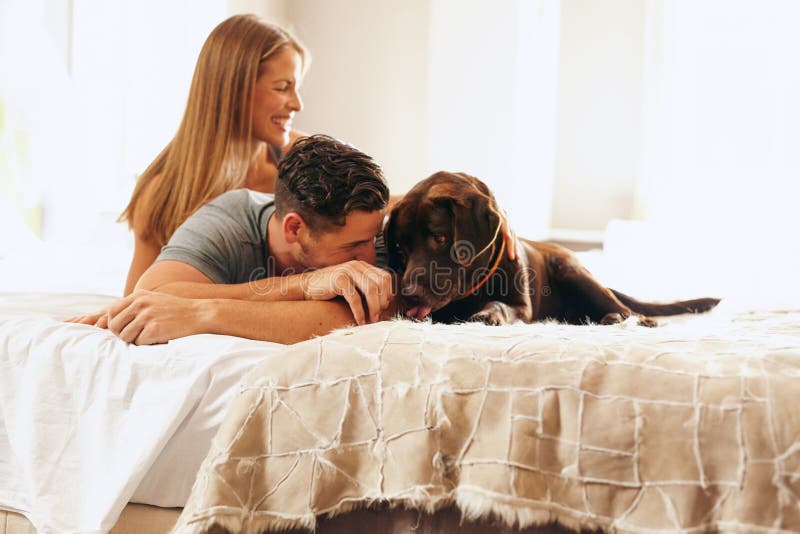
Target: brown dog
[446,244]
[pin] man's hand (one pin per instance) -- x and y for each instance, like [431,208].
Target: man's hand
[353,280]
[147,318]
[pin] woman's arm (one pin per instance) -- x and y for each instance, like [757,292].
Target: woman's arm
[145,252]
[145,249]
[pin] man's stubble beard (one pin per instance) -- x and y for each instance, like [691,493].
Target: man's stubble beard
[308,259]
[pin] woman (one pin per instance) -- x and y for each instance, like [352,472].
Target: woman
[238,119]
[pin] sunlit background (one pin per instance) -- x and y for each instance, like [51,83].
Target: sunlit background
[665,131]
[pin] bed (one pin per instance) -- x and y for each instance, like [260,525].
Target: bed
[692,426]
[55,412]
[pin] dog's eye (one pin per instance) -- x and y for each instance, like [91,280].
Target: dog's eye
[439,238]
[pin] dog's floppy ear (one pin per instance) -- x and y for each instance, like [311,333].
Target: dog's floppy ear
[473,213]
[443,192]
[396,259]
[482,201]
[476,184]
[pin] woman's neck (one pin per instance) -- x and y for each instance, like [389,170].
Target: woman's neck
[263,170]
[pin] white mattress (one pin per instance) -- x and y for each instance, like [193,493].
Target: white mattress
[90,423]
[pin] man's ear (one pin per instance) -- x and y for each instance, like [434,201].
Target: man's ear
[293,227]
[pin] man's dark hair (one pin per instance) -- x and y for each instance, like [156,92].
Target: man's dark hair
[324,180]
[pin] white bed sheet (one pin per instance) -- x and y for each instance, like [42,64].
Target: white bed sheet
[90,423]
[13,495]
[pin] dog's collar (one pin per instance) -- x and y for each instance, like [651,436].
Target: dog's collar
[496,263]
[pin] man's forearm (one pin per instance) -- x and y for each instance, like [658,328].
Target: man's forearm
[273,289]
[280,322]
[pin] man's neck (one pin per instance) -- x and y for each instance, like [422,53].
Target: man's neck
[279,249]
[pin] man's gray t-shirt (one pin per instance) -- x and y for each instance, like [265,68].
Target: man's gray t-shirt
[226,239]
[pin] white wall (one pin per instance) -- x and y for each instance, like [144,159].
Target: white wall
[462,85]
[275,11]
[491,111]
[541,99]
[468,85]
[599,111]
[367,83]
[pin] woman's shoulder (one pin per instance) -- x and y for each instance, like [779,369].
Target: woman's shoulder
[241,200]
[277,152]
[294,135]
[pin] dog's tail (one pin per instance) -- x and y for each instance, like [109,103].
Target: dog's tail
[653,309]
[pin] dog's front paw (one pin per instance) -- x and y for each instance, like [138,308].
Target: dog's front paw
[489,317]
[493,314]
[612,318]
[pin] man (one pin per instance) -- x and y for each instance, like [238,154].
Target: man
[254,266]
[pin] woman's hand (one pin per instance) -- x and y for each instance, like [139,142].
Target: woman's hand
[510,238]
[99,319]
[147,317]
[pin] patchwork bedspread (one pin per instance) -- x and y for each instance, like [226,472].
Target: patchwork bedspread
[693,426]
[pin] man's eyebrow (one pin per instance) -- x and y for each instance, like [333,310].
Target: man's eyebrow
[354,243]
[361,241]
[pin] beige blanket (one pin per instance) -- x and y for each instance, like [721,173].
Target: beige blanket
[693,426]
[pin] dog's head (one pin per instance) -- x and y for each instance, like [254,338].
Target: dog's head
[442,238]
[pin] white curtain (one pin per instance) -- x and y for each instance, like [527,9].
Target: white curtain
[722,131]
[720,168]
[91,92]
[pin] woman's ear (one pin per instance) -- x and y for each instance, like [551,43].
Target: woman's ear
[293,226]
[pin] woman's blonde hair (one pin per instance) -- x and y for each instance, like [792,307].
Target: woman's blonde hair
[211,151]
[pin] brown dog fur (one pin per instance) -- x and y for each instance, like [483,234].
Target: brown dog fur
[444,237]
